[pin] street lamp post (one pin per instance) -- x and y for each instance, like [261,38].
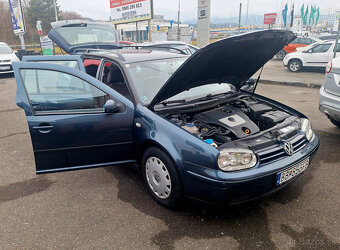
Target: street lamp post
[55,11]
[337,37]
[178,20]
[239,19]
[247,15]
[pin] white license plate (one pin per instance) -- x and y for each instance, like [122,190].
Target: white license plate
[5,67]
[288,174]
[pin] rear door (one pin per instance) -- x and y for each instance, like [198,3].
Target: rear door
[72,61]
[68,125]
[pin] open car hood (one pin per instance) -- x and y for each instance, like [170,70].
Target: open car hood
[232,60]
[72,35]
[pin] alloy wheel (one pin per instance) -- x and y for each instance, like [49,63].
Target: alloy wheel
[294,66]
[280,55]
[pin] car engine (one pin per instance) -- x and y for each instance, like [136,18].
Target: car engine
[237,119]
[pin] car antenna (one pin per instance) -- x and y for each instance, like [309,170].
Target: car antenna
[257,81]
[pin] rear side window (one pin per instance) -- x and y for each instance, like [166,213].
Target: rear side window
[296,41]
[306,41]
[57,92]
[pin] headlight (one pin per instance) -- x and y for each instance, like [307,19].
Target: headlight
[306,127]
[233,159]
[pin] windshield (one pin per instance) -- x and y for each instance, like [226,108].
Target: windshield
[149,77]
[90,33]
[4,49]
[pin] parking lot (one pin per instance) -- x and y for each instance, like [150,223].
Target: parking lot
[110,208]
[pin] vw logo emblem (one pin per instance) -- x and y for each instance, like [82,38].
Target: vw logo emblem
[288,147]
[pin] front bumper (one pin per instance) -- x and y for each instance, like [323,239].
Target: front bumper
[6,68]
[329,104]
[285,61]
[217,187]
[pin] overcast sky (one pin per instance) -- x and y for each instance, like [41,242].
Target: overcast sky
[100,9]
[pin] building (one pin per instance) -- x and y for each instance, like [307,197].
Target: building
[161,30]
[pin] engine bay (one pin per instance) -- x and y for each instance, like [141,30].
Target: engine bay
[240,118]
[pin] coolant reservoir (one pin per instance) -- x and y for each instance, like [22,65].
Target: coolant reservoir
[191,128]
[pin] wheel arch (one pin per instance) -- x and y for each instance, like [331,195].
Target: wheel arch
[148,144]
[296,59]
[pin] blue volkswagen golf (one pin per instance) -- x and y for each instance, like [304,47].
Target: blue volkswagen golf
[188,122]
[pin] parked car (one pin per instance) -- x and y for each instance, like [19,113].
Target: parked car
[7,56]
[185,120]
[316,57]
[330,92]
[328,37]
[125,43]
[185,47]
[297,43]
[73,35]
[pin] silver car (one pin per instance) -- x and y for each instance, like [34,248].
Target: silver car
[330,92]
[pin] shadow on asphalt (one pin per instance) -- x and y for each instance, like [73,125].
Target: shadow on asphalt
[25,188]
[247,224]
[6,76]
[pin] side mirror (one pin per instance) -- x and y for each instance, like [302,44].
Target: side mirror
[111,106]
[249,85]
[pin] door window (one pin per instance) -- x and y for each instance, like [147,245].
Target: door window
[57,92]
[321,48]
[306,41]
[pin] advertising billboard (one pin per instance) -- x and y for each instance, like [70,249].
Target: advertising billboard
[269,18]
[17,16]
[126,11]
[46,45]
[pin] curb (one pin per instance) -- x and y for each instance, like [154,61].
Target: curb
[296,84]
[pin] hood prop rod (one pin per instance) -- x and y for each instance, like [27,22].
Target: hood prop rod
[257,81]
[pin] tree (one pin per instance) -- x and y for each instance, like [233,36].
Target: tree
[6,27]
[70,15]
[42,10]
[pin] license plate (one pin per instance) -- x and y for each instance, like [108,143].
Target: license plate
[5,67]
[288,174]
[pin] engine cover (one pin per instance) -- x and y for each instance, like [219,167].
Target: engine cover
[230,118]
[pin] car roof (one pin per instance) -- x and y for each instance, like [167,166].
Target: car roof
[3,43]
[136,55]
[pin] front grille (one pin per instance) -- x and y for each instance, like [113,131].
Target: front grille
[277,152]
[10,68]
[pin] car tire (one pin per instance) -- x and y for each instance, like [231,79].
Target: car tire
[281,54]
[161,177]
[295,65]
[335,122]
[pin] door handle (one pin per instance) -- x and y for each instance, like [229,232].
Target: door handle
[44,128]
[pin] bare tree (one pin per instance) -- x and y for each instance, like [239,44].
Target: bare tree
[6,27]
[70,15]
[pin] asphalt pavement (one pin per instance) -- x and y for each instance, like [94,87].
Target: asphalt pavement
[275,72]
[109,208]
